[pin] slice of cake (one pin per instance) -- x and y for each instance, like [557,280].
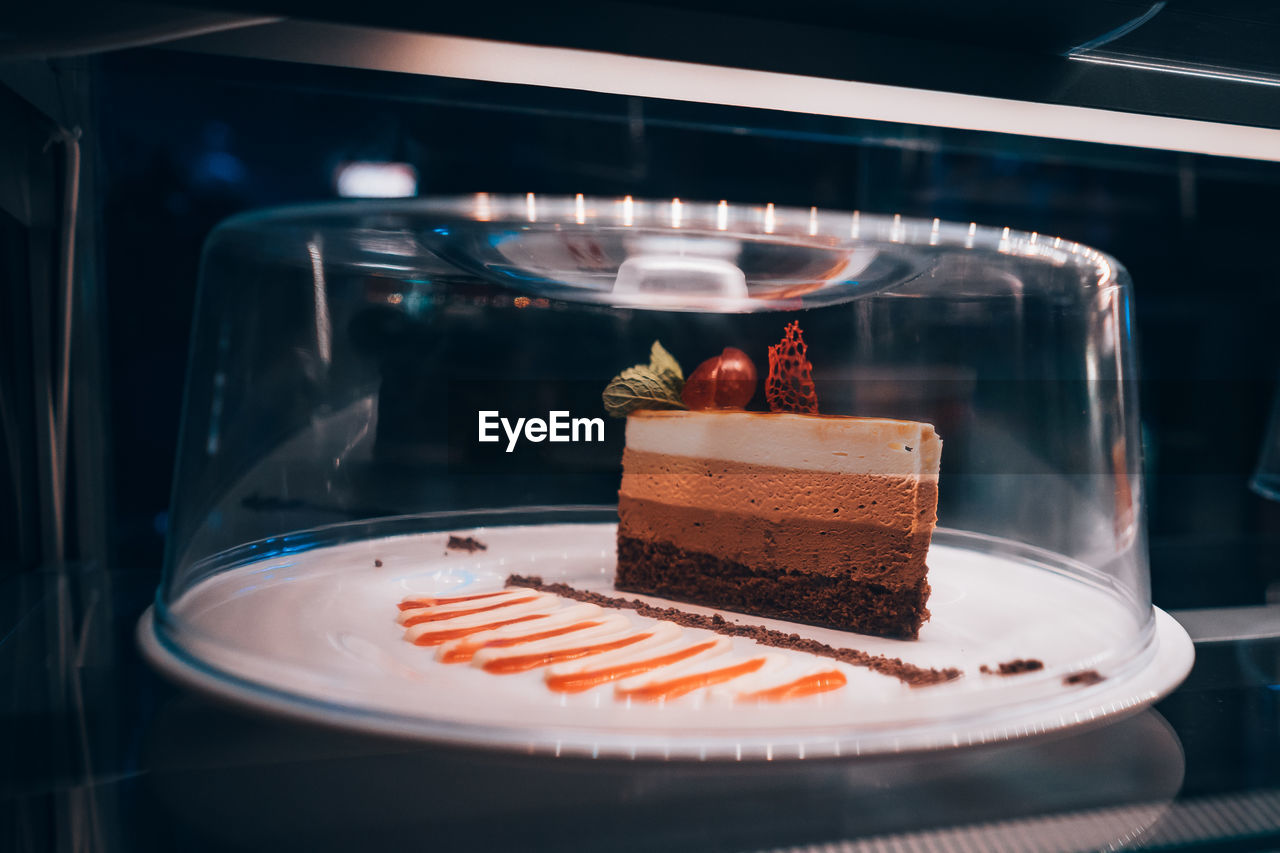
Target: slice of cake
[810,518]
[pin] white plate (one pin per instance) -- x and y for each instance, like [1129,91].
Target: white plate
[312,635]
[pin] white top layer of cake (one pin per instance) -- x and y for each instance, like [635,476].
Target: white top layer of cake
[837,445]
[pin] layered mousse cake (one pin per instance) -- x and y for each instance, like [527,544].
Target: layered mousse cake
[789,514]
[810,518]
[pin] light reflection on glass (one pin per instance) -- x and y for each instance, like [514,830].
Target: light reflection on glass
[321,300]
[1104,277]
[366,179]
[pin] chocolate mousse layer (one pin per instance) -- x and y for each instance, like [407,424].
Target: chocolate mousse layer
[900,500]
[799,546]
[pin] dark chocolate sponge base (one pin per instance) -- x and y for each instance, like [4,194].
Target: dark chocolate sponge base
[844,603]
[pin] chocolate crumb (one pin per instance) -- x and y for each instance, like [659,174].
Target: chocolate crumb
[1083,678]
[377,564]
[1013,667]
[909,674]
[466,543]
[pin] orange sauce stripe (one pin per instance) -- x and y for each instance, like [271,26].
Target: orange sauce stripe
[579,681]
[419,603]
[808,685]
[522,663]
[454,614]
[676,687]
[466,651]
[435,638]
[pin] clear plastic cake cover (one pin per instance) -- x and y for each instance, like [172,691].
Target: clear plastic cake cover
[393,407]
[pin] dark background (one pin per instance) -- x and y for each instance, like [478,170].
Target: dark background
[99,747]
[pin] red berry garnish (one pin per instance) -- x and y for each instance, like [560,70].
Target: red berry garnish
[727,381]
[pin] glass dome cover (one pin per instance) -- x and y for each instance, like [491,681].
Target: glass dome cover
[345,358]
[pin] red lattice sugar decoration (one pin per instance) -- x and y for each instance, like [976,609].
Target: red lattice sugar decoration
[790,387]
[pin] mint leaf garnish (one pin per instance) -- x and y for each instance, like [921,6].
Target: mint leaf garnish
[656,385]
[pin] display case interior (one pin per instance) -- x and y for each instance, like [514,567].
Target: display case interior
[1199,322]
